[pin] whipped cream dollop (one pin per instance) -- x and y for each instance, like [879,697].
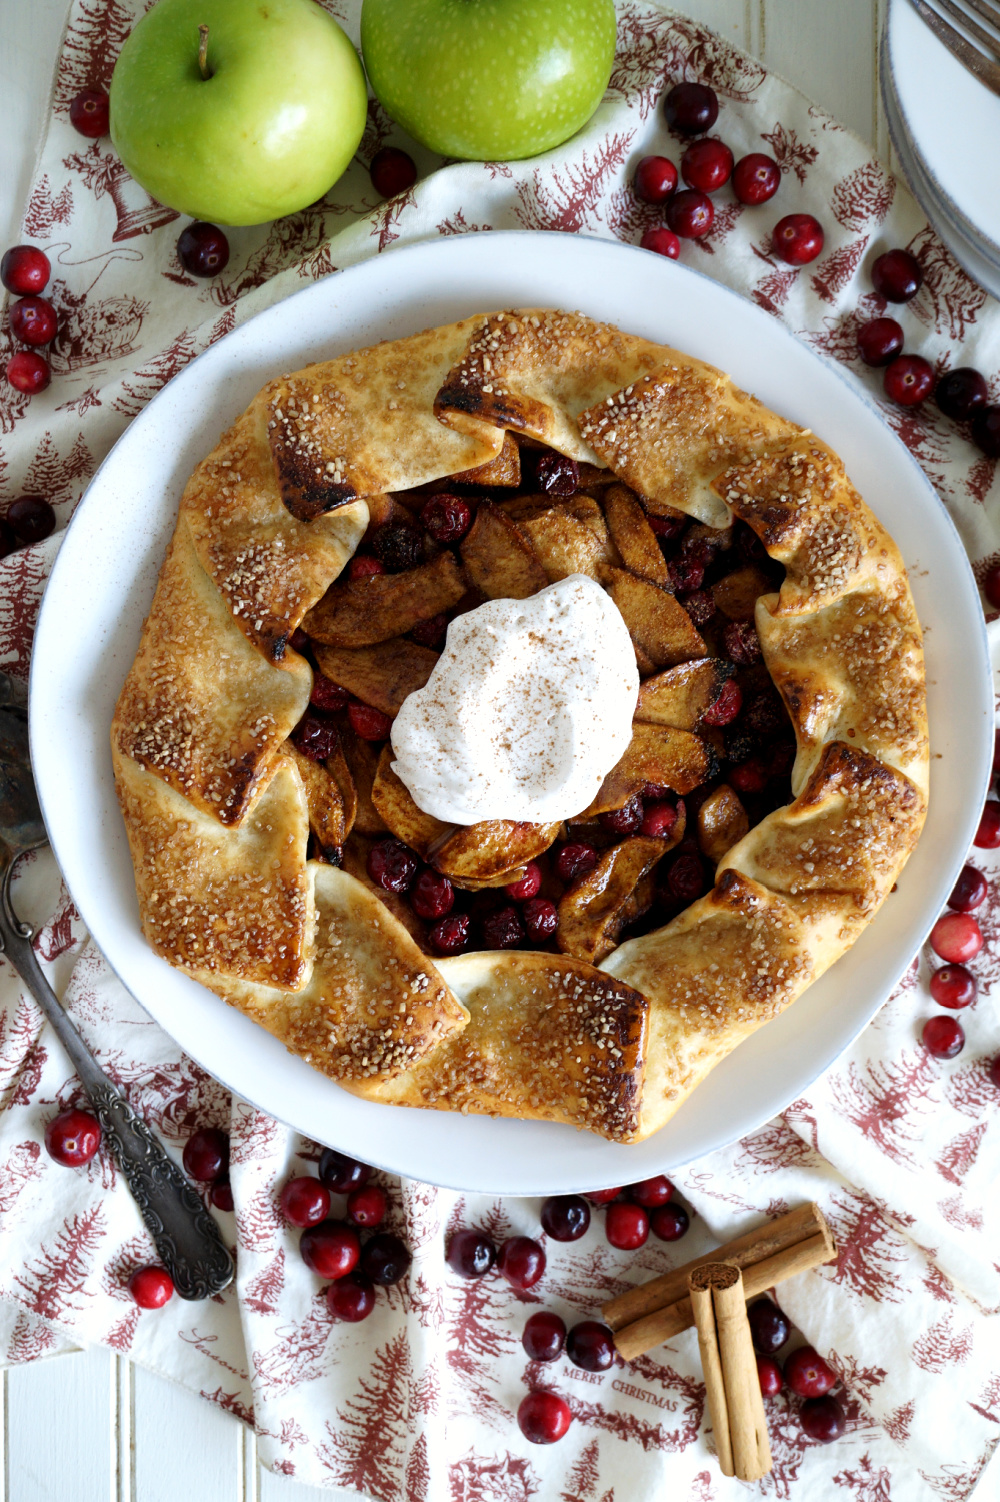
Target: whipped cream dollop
[528,708]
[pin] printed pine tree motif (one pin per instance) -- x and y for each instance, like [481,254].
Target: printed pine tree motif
[482,1478]
[119,1265]
[860,1379]
[23,576]
[55,1285]
[93,40]
[897,1425]
[478,1335]
[29,1341]
[960,1154]
[367,1443]
[938,1285]
[867,1482]
[231,1402]
[886,1101]
[106,176]
[459,225]
[773,291]
[988,1400]
[869,1250]
[427,1391]
[19,1170]
[958,1215]
[418,1472]
[773,1148]
[955,1482]
[252,1134]
[388,215]
[628,218]
[791,154]
[970,1089]
[21,1056]
[154,373]
[642,61]
[942,1347]
[588,1279]
[864,197]
[289,242]
[263,1292]
[573,199]
[949,299]
[978,484]
[44,211]
[583,1479]
[299,1352]
[121,1335]
[789,1441]
[835,272]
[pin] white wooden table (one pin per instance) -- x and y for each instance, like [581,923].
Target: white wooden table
[91,1427]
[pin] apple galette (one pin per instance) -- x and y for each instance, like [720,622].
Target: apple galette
[524,716]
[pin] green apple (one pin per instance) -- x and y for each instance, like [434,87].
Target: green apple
[271,127]
[489,80]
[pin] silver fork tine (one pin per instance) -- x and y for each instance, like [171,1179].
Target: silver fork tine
[989,41]
[988,9]
[987,71]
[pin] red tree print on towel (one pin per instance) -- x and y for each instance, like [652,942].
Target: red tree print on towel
[958,1215]
[231,1402]
[867,1482]
[263,1291]
[628,218]
[418,1472]
[121,1335]
[154,373]
[773,1148]
[478,1335]
[93,40]
[459,225]
[574,199]
[773,290]
[44,211]
[23,576]
[20,1168]
[789,1442]
[299,1352]
[584,1479]
[252,1134]
[949,299]
[835,272]
[940,1348]
[367,1443]
[55,1284]
[29,1340]
[869,1250]
[960,1154]
[988,1400]
[970,1089]
[481,1478]
[885,1101]
[864,197]
[938,1285]
[897,1425]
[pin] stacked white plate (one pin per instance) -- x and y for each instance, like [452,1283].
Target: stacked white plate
[945,126]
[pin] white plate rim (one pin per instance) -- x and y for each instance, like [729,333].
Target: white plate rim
[519,242]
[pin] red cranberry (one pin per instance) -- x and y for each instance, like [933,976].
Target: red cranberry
[575,860]
[503,929]
[368,723]
[330,1249]
[756,178]
[151,1287]
[658,820]
[686,878]
[943,1037]
[662,241]
[749,777]
[626,1226]
[652,1192]
[305,1202]
[33,320]
[686,574]
[543,1417]
[897,276]
[31,518]
[987,836]
[25,270]
[707,165]
[316,738]
[471,1254]
[690,214]
[603,1196]
[991,589]
[8,542]
[299,641]
[340,1173]
[996,751]
[691,108]
[995,1071]
[655,179]
[88,113]
[781,759]
[522,1262]
[558,475]
[206,1155]
[954,987]
[969,890]
[909,380]
[624,820]
[590,1344]
[565,1217]
[362,566]
[727,706]
[544,1336]
[446,517]
[385,1259]
[451,935]
[541,919]
[769,1328]
[880,341]
[769,1376]
[985,426]
[432,632]
[956,938]
[699,605]
[203,249]
[766,715]
[366,1206]
[329,697]
[392,171]
[28,372]
[807,1374]
[961,393]
[529,884]
[392,865]
[351,1299]
[73,1137]
[399,545]
[432,896]
[669,1222]
[822,1419]
[221,1195]
[797,239]
[667,527]
[741,642]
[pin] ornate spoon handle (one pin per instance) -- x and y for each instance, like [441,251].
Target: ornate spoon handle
[186,1236]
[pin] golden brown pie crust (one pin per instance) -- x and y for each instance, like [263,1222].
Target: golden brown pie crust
[217,801]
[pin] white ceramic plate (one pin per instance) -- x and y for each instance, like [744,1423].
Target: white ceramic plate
[103,581]
[953,122]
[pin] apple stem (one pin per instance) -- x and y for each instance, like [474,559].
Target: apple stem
[206,71]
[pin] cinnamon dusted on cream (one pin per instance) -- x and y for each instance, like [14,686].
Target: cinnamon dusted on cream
[528,708]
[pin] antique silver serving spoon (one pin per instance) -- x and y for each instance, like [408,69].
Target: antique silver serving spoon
[186,1236]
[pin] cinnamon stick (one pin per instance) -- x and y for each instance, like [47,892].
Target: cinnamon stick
[718,1299]
[770,1239]
[663,1324]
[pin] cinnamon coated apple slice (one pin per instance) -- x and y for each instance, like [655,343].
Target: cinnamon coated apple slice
[736,594]
[565,544]
[361,612]
[326,804]
[504,471]
[658,754]
[381,675]
[593,911]
[662,632]
[361,760]
[722,823]
[632,535]
[499,560]
[681,695]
